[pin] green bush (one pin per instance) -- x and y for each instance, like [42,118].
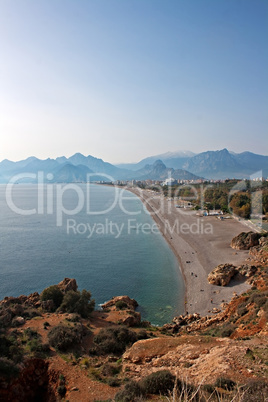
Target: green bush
[31,333]
[110,370]
[160,382]
[52,293]
[120,305]
[10,348]
[63,338]
[131,393]
[78,302]
[37,348]
[114,340]
[223,330]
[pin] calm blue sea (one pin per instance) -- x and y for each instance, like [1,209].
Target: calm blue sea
[99,235]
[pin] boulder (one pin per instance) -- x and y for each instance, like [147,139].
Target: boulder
[245,240]
[131,303]
[67,284]
[131,320]
[32,299]
[247,270]
[263,241]
[222,274]
[48,305]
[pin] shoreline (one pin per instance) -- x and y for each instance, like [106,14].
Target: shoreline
[198,250]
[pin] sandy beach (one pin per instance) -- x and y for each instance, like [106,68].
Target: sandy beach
[200,244]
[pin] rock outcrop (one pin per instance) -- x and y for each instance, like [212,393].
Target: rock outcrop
[222,274]
[246,270]
[181,321]
[245,240]
[67,284]
[125,307]
[131,320]
[130,303]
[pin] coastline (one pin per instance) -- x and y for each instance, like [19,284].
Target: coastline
[198,250]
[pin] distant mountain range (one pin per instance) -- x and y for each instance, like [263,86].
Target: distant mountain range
[159,171]
[181,165]
[170,159]
[211,164]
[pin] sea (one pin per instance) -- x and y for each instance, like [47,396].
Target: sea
[100,235]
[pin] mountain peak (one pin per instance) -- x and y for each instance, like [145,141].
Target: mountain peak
[159,163]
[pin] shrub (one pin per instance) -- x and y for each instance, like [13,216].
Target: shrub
[61,390]
[8,368]
[113,382]
[131,393]
[31,313]
[52,293]
[225,383]
[259,298]
[142,334]
[227,330]
[120,305]
[114,340]
[223,331]
[242,310]
[255,390]
[10,348]
[31,333]
[78,302]
[160,382]
[74,318]
[5,344]
[62,337]
[37,348]
[110,370]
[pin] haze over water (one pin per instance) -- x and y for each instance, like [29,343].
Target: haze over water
[36,251]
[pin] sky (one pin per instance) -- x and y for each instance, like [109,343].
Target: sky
[125,79]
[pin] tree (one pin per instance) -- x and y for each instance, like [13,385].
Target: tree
[78,302]
[52,293]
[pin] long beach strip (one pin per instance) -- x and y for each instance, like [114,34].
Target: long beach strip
[200,244]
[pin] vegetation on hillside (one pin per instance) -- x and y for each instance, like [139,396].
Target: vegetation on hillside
[231,196]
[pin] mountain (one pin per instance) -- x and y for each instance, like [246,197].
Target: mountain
[222,164]
[253,162]
[98,166]
[213,164]
[7,165]
[73,169]
[180,165]
[68,173]
[172,159]
[159,171]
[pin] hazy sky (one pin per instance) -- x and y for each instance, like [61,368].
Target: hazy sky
[126,79]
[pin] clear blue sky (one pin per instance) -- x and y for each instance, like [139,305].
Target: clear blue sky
[125,79]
